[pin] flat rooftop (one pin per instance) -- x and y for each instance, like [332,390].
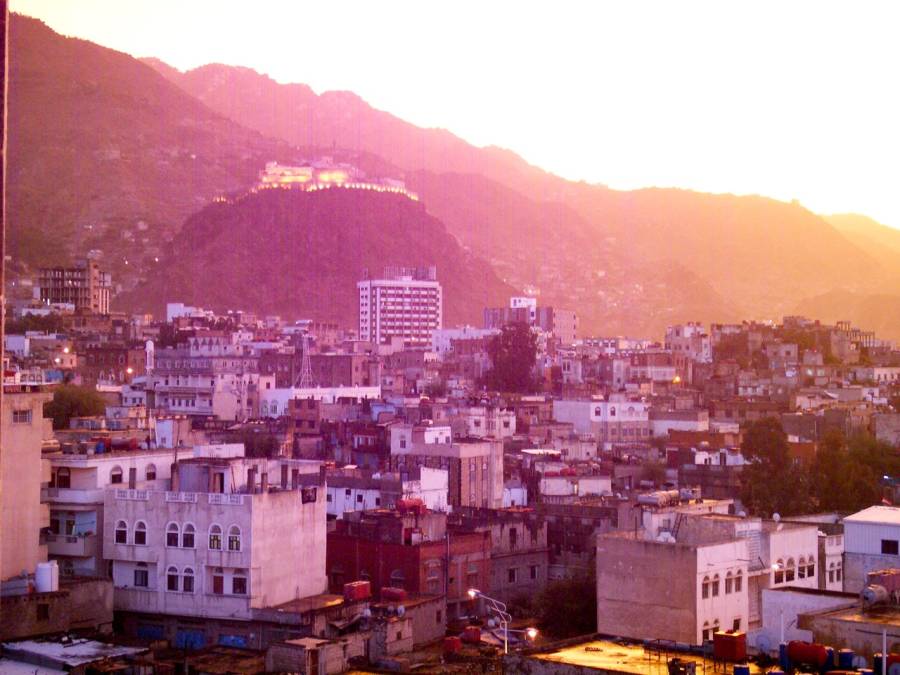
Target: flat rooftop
[879,515]
[887,615]
[624,657]
[311,603]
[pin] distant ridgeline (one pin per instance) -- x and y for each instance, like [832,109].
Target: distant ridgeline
[323,174]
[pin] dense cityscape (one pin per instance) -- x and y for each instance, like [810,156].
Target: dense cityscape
[292,385]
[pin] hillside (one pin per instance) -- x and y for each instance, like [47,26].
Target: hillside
[879,312]
[756,255]
[879,241]
[104,153]
[300,254]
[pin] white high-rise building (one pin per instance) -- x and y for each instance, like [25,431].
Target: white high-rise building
[405,302]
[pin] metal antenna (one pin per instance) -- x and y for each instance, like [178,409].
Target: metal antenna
[305,381]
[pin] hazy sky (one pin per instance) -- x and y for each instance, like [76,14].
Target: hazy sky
[788,99]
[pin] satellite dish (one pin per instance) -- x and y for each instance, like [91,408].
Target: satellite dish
[776,517]
[492,623]
[742,514]
[401,610]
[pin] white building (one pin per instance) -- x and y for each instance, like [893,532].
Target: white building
[618,420]
[871,542]
[442,340]
[567,489]
[223,542]
[356,492]
[489,422]
[274,402]
[405,303]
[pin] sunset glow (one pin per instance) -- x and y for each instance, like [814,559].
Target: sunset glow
[788,100]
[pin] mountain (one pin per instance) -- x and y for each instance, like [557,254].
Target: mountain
[755,256]
[879,241]
[300,253]
[104,153]
[879,312]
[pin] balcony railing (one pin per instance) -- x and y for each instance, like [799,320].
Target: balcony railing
[75,545]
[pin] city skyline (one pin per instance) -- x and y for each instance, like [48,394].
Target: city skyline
[788,102]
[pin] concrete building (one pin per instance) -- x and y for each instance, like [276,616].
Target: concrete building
[364,490]
[561,323]
[489,422]
[85,286]
[871,542]
[23,474]
[691,340]
[614,421]
[474,467]
[230,538]
[405,303]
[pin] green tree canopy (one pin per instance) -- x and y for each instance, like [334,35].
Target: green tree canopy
[568,607]
[513,353]
[841,481]
[70,401]
[772,482]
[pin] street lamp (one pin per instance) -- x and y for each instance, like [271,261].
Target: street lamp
[499,608]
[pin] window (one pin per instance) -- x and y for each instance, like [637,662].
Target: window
[63,478]
[779,571]
[121,532]
[511,575]
[801,568]
[738,582]
[837,572]
[172,579]
[359,499]
[831,573]
[115,474]
[810,567]
[889,547]
[729,583]
[187,537]
[187,582]
[140,533]
[151,472]
[43,612]
[790,570]
[397,579]
[736,626]
[218,581]
[215,538]
[141,578]
[234,538]
[513,537]
[706,635]
[21,417]
[705,587]
[239,583]
[715,586]
[534,571]
[172,535]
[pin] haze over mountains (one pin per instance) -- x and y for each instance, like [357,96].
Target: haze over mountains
[100,142]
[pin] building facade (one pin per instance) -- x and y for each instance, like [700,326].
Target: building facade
[85,286]
[405,303]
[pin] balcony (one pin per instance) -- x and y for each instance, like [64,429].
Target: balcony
[74,545]
[53,495]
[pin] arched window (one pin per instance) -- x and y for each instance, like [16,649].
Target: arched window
[264,409]
[397,579]
[738,581]
[790,570]
[239,583]
[172,535]
[801,568]
[779,571]
[187,536]
[274,408]
[140,533]
[838,571]
[715,626]
[215,538]
[810,567]
[151,472]
[187,581]
[706,633]
[121,532]
[729,583]
[115,474]
[234,538]
[831,569]
[172,579]
[63,477]
[364,576]
[705,587]
[612,411]
[715,585]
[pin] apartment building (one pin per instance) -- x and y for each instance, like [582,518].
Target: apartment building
[85,286]
[871,542]
[404,303]
[201,561]
[614,421]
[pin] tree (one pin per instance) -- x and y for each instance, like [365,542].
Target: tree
[71,401]
[568,607]
[771,481]
[513,353]
[841,481]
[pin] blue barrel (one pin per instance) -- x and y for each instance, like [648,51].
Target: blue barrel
[741,669]
[783,659]
[865,671]
[845,659]
[775,671]
[830,661]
